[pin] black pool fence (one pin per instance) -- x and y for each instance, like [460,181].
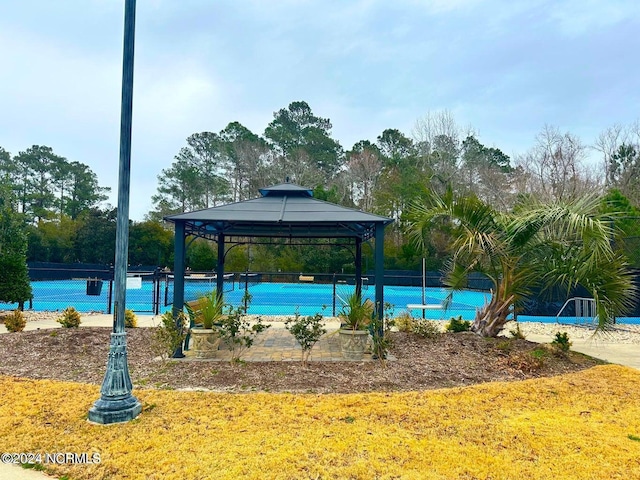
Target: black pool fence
[152,291]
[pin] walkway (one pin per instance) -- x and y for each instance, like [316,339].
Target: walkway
[622,353]
[276,344]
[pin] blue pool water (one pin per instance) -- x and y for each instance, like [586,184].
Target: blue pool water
[266,298]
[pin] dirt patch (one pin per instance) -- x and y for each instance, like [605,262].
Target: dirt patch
[449,360]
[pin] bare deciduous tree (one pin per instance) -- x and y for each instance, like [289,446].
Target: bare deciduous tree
[250,169]
[438,139]
[607,143]
[620,149]
[363,169]
[299,167]
[555,167]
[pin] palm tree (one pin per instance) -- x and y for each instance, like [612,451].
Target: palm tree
[534,248]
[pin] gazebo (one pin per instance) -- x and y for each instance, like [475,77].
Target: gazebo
[282,211]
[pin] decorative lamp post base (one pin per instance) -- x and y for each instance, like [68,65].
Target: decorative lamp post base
[116,404]
[115,411]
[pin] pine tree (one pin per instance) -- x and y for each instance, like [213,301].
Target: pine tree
[14,277]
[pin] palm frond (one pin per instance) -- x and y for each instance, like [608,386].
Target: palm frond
[612,287]
[538,247]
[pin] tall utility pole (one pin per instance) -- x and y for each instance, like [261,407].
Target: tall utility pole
[116,403]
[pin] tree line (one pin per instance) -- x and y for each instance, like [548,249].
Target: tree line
[60,201]
[389,174]
[58,204]
[47,186]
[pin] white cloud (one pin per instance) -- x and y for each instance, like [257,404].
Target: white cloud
[42,75]
[442,6]
[580,17]
[506,67]
[173,98]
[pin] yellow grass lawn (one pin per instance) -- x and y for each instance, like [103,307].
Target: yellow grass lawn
[582,426]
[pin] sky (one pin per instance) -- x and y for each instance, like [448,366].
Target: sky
[505,68]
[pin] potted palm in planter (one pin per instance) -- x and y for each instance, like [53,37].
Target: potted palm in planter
[205,313]
[355,318]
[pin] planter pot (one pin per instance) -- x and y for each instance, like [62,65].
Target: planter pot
[353,343]
[205,342]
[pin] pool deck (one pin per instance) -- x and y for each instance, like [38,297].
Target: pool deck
[276,344]
[621,353]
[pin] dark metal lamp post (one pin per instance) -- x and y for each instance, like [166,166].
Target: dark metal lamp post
[116,403]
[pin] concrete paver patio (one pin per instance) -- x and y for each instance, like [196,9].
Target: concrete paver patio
[276,344]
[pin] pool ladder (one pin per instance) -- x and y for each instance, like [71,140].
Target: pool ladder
[585,311]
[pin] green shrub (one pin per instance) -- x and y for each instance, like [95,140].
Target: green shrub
[70,318]
[426,329]
[170,334]
[237,333]
[539,352]
[456,325]
[528,361]
[561,342]
[15,321]
[130,319]
[307,331]
[206,310]
[356,313]
[404,322]
[14,274]
[517,333]
[505,346]
[380,334]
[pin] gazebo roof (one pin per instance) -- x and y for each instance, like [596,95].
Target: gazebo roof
[284,210]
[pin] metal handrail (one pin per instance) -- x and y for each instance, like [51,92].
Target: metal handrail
[585,310]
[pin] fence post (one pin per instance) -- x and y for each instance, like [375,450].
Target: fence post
[166,289]
[110,296]
[156,291]
[110,292]
[334,295]
[246,290]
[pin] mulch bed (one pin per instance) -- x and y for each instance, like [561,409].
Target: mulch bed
[450,360]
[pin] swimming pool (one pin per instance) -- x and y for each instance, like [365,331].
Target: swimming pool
[266,298]
[278,298]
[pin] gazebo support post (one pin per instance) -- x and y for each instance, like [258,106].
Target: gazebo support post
[220,268]
[358,260]
[178,278]
[379,259]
